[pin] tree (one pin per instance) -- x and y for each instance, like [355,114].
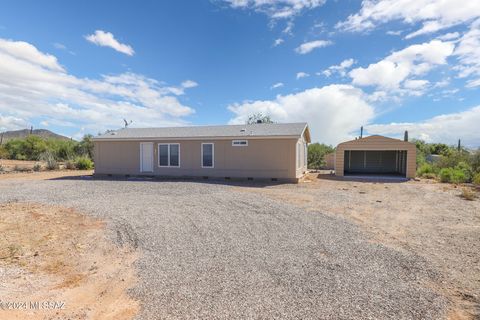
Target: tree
[256,117]
[85,146]
[316,155]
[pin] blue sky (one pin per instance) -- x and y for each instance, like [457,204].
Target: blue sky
[81,67]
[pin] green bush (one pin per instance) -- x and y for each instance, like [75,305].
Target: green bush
[466,169]
[83,163]
[475,161]
[3,153]
[427,169]
[37,167]
[452,175]
[476,179]
[316,155]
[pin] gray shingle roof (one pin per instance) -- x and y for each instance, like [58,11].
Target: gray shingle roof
[226,131]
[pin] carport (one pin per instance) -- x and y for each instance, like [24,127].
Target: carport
[376,156]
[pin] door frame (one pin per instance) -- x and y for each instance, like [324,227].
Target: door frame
[141,156]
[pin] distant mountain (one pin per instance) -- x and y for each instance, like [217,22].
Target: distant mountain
[44,133]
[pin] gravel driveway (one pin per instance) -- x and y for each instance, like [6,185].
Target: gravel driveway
[211,251]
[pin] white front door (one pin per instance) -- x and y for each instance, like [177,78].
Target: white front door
[146,156]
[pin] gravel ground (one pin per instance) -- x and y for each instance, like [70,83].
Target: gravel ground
[210,251]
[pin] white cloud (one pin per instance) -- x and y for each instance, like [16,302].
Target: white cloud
[11,123]
[288,28]
[435,15]
[106,39]
[449,36]
[414,60]
[307,47]
[468,54]
[189,84]
[301,75]
[277,85]
[278,42]
[39,88]
[27,53]
[394,33]
[416,84]
[276,9]
[333,112]
[447,128]
[340,68]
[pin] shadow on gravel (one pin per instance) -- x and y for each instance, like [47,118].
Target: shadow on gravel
[154,179]
[364,178]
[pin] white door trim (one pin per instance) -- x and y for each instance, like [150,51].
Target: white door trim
[141,156]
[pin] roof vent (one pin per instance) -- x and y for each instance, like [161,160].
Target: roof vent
[243,130]
[113,133]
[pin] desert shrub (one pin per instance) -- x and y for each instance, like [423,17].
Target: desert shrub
[85,146]
[453,159]
[50,161]
[476,179]
[475,161]
[21,168]
[70,164]
[84,163]
[429,176]
[452,175]
[468,194]
[1,168]
[316,155]
[29,148]
[37,167]
[466,169]
[63,149]
[427,169]
[3,153]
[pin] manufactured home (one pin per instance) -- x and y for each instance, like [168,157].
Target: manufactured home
[274,151]
[376,155]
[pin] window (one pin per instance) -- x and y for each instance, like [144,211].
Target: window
[207,155]
[169,155]
[239,143]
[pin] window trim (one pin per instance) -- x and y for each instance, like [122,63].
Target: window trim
[213,155]
[239,145]
[168,155]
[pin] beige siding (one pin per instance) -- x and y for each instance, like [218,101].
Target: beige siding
[262,158]
[377,143]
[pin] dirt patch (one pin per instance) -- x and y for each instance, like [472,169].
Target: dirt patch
[44,175]
[424,217]
[56,263]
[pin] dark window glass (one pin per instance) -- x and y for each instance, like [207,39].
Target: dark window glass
[174,155]
[163,155]
[207,155]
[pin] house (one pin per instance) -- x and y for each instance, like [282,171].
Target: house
[376,155]
[275,151]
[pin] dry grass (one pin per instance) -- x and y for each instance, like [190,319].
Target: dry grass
[50,253]
[468,194]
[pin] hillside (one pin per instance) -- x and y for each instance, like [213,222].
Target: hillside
[44,133]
